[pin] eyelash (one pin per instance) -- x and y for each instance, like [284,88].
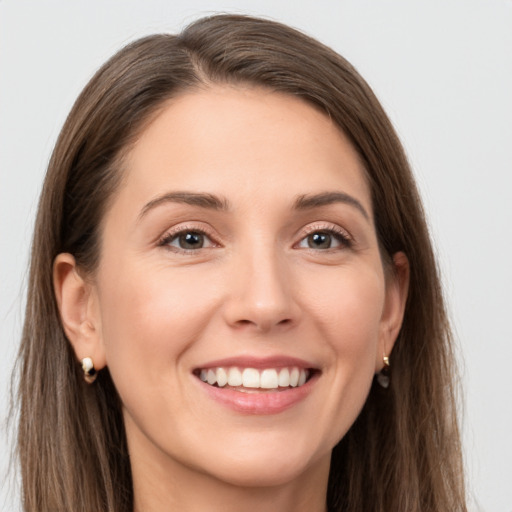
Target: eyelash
[340,235]
[170,236]
[336,232]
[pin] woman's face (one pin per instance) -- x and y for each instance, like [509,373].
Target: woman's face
[241,250]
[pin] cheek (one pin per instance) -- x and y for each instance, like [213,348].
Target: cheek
[359,320]
[349,310]
[148,321]
[349,317]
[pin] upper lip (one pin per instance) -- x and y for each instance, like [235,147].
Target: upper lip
[259,363]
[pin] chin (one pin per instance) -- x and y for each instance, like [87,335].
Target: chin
[260,474]
[268,467]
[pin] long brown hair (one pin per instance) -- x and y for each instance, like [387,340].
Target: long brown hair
[403,452]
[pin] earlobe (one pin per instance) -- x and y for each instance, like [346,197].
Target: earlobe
[78,308]
[397,288]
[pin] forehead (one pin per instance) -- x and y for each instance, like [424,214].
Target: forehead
[242,141]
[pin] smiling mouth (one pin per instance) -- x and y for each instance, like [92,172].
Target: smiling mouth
[251,380]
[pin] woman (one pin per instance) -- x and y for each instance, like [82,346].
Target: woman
[229,247]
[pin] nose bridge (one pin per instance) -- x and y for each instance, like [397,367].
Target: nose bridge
[261,294]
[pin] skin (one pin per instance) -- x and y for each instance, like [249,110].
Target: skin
[154,312]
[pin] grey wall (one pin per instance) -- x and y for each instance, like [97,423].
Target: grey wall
[443,70]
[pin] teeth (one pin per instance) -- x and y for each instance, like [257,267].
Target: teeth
[284,378]
[234,377]
[211,377]
[269,378]
[250,378]
[222,377]
[294,377]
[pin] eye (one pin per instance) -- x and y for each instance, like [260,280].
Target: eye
[325,239]
[187,240]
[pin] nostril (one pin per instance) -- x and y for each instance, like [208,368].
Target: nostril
[262,324]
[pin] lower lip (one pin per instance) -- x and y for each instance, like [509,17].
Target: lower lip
[259,402]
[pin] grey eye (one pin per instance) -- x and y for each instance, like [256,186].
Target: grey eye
[319,241]
[323,240]
[189,240]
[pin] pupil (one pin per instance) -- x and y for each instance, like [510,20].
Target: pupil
[191,241]
[320,240]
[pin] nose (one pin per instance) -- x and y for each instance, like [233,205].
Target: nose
[261,296]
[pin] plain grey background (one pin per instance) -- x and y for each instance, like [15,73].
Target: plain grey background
[443,71]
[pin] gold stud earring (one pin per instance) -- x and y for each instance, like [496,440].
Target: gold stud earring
[90,373]
[384,376]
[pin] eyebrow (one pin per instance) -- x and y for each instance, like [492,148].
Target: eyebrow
[306,202]
[203,200]
[213,202]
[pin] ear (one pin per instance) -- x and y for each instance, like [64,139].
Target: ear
[79,310]
[397,288]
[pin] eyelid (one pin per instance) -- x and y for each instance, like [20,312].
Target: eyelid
[172,233]
[326,227]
